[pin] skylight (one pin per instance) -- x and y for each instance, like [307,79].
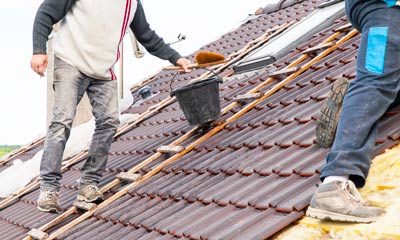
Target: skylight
[298,33]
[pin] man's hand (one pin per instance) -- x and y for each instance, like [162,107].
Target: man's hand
[259,11]
[39,63]
[184,63]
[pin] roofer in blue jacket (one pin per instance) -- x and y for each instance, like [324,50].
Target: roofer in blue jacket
[369,96]
[86,47]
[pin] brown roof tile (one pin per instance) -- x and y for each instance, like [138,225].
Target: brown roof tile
[248,181]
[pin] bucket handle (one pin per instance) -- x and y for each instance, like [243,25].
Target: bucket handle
[215,74]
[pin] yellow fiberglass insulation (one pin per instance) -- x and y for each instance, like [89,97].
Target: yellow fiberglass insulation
[382,189]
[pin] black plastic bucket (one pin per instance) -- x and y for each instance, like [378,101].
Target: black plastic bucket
[200,101]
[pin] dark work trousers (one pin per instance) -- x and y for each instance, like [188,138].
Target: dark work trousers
[374,90]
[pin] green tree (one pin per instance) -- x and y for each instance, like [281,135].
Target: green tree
[4,149]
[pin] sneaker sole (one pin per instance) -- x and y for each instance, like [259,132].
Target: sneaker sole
[49,210]
[326,215]
[83,199]
[327,121]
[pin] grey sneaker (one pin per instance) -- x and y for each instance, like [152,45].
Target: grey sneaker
[90,193]
[48,201]
[340,201]
[327,121]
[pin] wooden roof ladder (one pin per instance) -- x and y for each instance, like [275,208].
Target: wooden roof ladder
[191,146]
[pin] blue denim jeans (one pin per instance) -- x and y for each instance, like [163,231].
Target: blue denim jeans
[69,87]
[374,90]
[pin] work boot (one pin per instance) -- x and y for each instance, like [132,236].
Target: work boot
[340,201]
[327,121]
[90,193]
[48,201]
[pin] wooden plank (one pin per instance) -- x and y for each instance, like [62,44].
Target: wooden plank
[170,149]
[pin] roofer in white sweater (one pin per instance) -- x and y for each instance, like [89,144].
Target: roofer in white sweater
[86,46]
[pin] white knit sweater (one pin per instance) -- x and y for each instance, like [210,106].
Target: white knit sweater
[83,32]
[91,33]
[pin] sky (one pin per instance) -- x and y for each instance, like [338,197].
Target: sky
[23,93]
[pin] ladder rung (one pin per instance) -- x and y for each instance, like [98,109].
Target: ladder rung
[318,47]
[215,123]
[218,122]
[84,205]
[343,28]
[130,177]
[37,234]
[284,72]
[248,97]
[170,149]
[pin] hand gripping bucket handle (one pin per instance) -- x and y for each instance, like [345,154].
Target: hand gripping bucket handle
[199,101]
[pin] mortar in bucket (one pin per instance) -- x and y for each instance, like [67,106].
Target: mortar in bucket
[200,101]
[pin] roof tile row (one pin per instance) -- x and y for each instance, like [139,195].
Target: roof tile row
[248,181]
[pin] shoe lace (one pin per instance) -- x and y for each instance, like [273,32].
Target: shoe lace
[51,195]
[350,189]
[93,188]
